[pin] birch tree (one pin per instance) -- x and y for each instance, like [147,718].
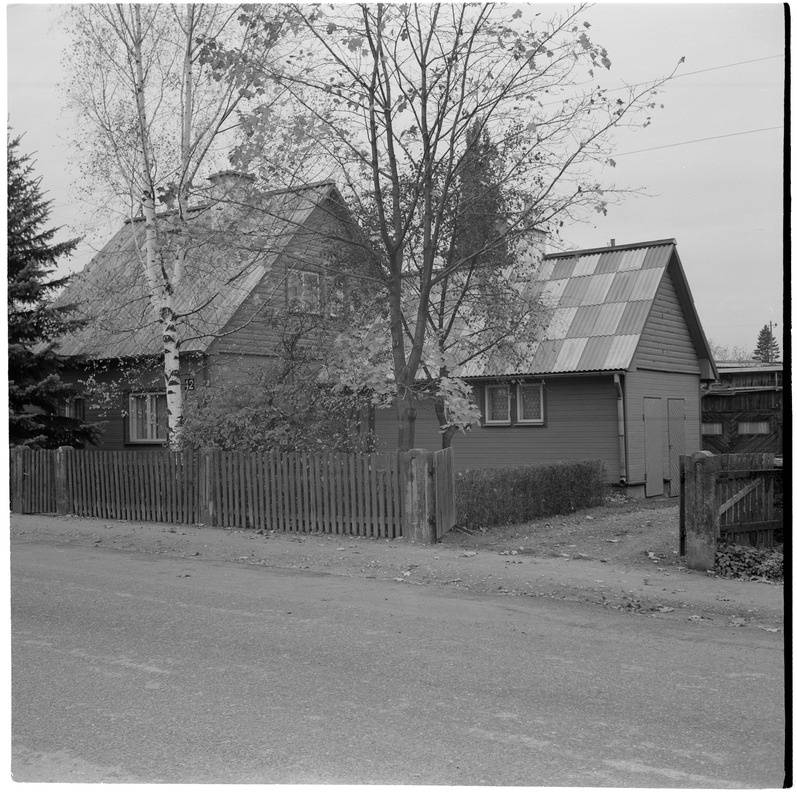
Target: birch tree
[151,116]
[383,98]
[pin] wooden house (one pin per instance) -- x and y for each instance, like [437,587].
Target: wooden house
[255,259]
[743,409]
[616,375]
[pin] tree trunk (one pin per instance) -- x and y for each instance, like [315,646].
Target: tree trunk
[161,290]
[448,433]
[171,373]
[405,419]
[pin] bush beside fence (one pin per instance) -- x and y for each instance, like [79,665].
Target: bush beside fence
[512,495]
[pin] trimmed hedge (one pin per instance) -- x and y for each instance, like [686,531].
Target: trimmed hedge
[516,494]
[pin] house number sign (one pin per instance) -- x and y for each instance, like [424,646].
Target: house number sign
[188,383]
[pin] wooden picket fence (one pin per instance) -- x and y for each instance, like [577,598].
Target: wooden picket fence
[377,495]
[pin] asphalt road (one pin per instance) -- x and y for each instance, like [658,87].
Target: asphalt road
[134,668]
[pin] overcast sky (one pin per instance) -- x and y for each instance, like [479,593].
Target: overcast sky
[721,198]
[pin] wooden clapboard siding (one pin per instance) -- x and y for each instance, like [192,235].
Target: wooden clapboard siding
[580,424]
[664,386]
[666,343]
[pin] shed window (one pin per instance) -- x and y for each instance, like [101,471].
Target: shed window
[496,405]
[148,418]
[529,403]
[712,428]
[754,428]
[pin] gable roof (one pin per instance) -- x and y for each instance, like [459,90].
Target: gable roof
[598,303]
[111,293]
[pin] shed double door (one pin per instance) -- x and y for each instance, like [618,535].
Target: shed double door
[665,442]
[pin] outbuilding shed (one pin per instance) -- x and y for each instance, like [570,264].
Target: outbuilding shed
[616,375]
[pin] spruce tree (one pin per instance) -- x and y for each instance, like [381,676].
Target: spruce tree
[35,391]
[767,348]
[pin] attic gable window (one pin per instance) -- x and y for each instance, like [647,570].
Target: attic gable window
[530,403]
[496,405]
[304,292]
[148,418]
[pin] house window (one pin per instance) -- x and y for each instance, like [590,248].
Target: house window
[496,405]
[74,408]
[304,292]
[529,403]
[712,428]
[754,428]
[148,418]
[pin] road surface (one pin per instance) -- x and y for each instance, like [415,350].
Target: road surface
[134,668]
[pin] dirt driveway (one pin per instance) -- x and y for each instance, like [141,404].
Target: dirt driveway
[623,555]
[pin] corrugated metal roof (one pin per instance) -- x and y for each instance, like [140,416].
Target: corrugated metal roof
[634,316]
[632,259]
[600,302]
[609,263]
[570,354]
[586,265]
[564,268]
[596,351]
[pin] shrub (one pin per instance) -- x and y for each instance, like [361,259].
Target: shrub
[748,563]
[512,495]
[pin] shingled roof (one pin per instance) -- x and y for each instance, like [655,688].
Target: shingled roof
[112,295]
[598,302]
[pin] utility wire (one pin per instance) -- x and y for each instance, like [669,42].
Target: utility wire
[682,74]
[695,141]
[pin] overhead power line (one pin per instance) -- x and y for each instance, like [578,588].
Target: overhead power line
[695,141]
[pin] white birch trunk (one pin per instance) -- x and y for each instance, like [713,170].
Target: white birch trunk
[161,289]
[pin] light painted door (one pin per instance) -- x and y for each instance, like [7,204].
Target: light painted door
[676,434]
[653,417]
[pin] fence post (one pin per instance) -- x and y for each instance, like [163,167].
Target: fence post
[18,462]
[701,511]
[207,512]
[416,469]
[63,493]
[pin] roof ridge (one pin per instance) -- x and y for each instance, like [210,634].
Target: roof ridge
[206,205]
[634,246]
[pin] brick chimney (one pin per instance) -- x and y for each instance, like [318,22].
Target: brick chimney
[230,195]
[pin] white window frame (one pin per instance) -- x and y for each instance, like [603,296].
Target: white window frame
[704,432]
[488,409]
[766,422]
[519,397]
[75,408]
[151,411]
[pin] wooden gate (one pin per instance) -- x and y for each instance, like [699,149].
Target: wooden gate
[726,498]
[746,498]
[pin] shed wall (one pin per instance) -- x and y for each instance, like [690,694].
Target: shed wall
[666,344]
[580,424]
[664,386]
